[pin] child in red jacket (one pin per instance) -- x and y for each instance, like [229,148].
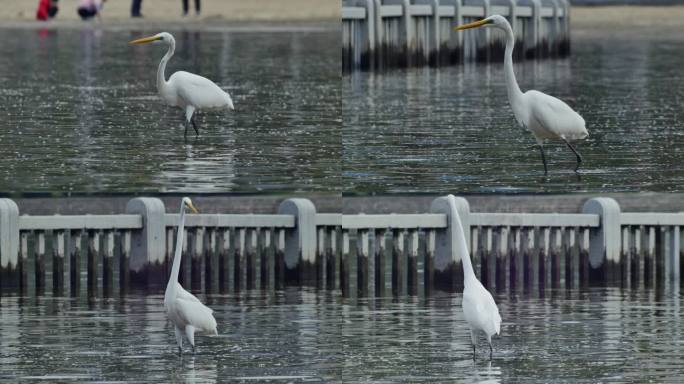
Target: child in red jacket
[47,9]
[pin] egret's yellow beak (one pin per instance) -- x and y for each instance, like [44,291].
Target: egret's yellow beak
[192,207]
[474,24]
[145,40]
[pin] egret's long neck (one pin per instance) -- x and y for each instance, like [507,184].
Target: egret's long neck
[161,78]
[462,245]
[514,92]
[179,248]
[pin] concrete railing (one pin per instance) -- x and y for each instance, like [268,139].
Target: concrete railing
[600,246]
[360,254]
[221,251]
[400,33]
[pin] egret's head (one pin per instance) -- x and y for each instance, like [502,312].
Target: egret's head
[159,37]
[187,203]
[491,21]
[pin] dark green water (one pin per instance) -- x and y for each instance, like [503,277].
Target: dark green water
[601,335]
[452,130]
[80,113]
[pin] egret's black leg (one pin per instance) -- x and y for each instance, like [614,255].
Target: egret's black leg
[541,149]
[473,351]
[491,352]
[186,131]
[180,351]
[579,158]
[192,120]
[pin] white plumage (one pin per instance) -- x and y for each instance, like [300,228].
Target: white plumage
[184,310]
[545,116]
[479,309]
[186,90]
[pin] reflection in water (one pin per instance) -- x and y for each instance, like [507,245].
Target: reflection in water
[81,113]
[292,335]
[451,129]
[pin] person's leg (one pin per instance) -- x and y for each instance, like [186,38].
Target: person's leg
[135,8]
[185,7]
[197,6]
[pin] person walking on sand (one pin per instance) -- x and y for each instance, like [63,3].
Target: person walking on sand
[186,5]
[88,9]
[135,8]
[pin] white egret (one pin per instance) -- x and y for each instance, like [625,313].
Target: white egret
[183,309]
[546,116]
[184,89]
[479,308]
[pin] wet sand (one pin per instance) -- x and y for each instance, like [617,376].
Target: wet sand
[171,10]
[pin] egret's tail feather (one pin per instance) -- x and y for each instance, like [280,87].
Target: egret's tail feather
[229,102]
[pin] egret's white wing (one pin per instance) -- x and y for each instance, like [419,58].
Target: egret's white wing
[195,313]
[480,310]
[199,91]
[556,116]
[183,294]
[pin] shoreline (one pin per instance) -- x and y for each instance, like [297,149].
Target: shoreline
[626,16]
[213,11]
[234,26]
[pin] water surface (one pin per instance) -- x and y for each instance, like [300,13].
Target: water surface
[451,129]
[80,112]
[300,336]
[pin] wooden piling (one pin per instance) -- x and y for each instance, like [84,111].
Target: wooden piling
[250,258]
[75,247]
[429,262]
[362,262]
[266,262]
[332,249]
[39,256]
[58,257]
[515,259]
[108,263]
[280,260]
[412,262]
[223,260]
[124,270]
[398,262]
[239,274]
[22,264]
[211,261]
[93,255]
[344,265]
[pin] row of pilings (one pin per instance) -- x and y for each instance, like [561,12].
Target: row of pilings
[378,34]
[356,254]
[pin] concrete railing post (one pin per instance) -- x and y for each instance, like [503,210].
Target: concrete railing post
[604,241]
[9,244]
[448,267]
[300,242]
[147,264]
[534,47]
[433,57]
[379,36]
[370,33]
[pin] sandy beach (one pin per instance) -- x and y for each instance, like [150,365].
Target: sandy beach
[170,10]
[117,12]
[627,17]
